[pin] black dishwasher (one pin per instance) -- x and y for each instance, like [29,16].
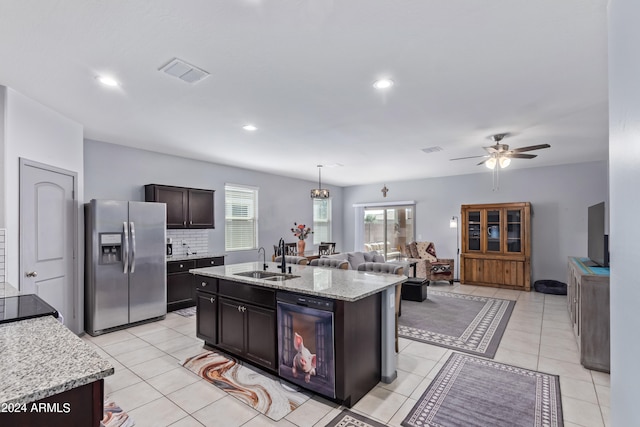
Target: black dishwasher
[306,342]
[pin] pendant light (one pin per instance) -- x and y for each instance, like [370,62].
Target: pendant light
[319,193]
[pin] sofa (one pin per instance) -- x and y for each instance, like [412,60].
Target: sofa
[356,258]
[379,247]
[429,266]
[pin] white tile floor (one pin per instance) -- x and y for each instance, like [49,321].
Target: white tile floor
[150,384]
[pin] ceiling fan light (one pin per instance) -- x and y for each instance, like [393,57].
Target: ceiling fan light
[504,162]
[491,163]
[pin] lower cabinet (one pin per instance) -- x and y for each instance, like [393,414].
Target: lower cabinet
[180,285]
[508,273]
[248,331]
[207,318]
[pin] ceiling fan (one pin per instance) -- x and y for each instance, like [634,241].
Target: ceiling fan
[500,154]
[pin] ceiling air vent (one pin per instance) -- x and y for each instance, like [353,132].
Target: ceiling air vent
[185,72]
[432,149]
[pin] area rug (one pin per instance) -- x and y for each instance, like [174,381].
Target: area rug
[265,393]
[470,391]
[114,416]
[467,323]
[186,312]
[346,418]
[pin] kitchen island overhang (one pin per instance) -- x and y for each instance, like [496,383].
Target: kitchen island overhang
[363,306]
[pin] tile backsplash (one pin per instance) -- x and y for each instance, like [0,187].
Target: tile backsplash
[197,240]
[3,256]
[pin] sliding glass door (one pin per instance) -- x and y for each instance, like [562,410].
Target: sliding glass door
[387,229]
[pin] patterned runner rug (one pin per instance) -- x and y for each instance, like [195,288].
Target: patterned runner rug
[346,418]
[470,391]
[186,312]
[467,323]
[114,416]
[263,392]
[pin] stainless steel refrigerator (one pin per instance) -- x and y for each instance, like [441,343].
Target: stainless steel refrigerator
[126,270]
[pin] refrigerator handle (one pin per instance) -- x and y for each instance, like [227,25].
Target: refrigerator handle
[125,254]
[133,246]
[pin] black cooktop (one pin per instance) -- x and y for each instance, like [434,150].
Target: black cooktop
[24,307]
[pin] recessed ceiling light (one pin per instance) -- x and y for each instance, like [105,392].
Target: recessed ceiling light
[107,81]
[249,127]
[383,83]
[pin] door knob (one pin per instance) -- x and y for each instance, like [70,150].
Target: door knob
[32,274]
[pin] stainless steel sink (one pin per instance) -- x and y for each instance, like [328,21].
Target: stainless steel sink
[267,275]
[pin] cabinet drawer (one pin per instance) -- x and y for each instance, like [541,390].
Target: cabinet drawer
[209,262]
[252,294]
[206,284]
[179,266]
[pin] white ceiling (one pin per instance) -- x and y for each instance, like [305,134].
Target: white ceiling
[302,72]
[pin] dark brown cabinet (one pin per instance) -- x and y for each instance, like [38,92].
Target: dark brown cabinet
[207,319]
[247,329]
[180,284]
[186,207]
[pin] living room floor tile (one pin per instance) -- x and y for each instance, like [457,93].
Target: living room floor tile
[577,389]
[582,413]
[311,411]
[380,404]
[404,384]
[415,364]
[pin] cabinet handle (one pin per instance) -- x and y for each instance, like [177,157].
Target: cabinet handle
[213,262]
[184,223]
[239,308]
[244,309]
[212,300]
[204,283]
[181,266]
[190,222]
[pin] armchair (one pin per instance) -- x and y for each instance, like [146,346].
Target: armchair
[429,266]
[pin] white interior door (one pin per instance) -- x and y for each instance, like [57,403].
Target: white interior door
[47,233]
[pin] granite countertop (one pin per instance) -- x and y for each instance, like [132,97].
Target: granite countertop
[196,256]
[41,357]
[346,285]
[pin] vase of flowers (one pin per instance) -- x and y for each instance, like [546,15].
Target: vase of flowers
[301,231]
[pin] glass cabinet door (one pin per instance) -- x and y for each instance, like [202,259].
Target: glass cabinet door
[514,230]
[473,230]
[493,230]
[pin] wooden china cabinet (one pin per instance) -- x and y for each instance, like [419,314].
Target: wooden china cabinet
[496,245]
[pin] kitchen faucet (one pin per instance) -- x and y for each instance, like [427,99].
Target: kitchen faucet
[281,249]
[264,261]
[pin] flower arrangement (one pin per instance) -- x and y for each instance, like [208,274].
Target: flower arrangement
[301,231]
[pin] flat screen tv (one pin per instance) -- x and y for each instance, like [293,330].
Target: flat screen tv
[597,240]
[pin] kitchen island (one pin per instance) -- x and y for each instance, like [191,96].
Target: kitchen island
[48,376]
[331,331]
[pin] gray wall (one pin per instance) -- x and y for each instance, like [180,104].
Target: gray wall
[118,172]
[624,166]
[559,196]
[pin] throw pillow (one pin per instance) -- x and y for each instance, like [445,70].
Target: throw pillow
[423,253]
[378,258]
[355,259]
[432,250]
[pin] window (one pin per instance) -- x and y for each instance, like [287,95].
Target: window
[240,217]
[321,220]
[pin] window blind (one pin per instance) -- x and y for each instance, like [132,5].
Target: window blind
[240,218]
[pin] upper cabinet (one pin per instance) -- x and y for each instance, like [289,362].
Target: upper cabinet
[186,207]
[495,245]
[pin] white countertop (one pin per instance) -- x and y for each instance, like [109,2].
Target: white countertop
[346,285]
[41,357]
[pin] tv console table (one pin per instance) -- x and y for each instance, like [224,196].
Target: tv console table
[588,304]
